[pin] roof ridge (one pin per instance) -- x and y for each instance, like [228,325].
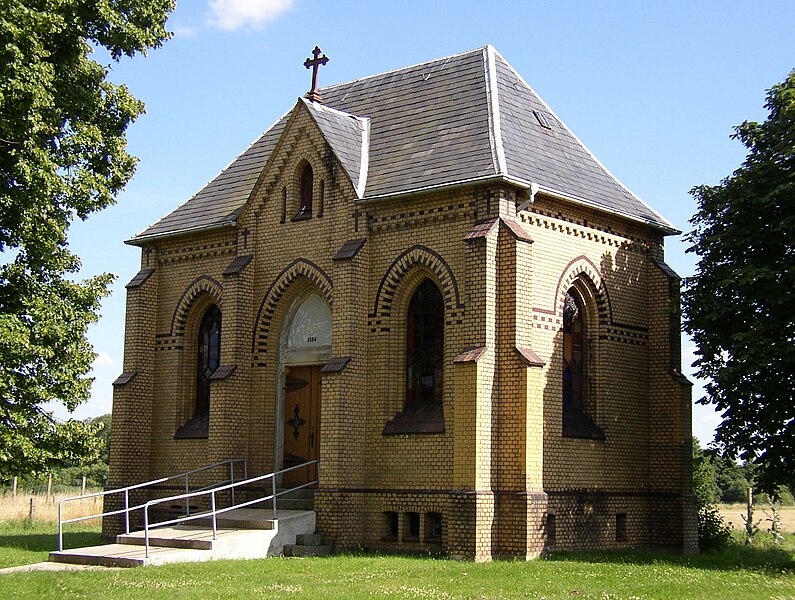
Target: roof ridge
[580,142]
[397,70]
[321,107]
[493,105]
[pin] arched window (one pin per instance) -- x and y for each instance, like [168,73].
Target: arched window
[425,347]
[577,420]
[209,357]
[307,190]
[573,353]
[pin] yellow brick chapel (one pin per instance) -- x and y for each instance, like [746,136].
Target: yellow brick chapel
[424,281]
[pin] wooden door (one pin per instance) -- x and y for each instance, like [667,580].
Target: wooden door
[301,423]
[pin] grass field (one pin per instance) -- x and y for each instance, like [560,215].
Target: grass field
[732,513]
[764,571]
[45,508]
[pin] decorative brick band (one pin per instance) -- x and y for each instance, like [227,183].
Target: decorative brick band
[433,261]
[201,285]
[582,268]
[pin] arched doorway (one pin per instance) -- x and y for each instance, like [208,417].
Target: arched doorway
[306,347]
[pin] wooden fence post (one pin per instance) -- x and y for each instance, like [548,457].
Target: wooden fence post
[32,508]
[83,486]
[49,487]
[14,487]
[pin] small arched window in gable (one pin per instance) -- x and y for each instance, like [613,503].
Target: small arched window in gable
[209,357]
[307,191]
[425,347]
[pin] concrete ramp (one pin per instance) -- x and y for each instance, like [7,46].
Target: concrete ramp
[241,534]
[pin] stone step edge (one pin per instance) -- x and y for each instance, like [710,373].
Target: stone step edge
[300,550]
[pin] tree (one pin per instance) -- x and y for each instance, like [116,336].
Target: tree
[62,156]
[740,304]
[713,533]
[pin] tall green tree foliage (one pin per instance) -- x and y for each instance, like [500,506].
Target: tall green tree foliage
[62,156]
[740,305]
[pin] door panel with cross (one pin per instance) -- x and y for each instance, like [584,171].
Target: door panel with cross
[301,423]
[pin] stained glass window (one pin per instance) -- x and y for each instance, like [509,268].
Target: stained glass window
[573,353]
[209,357]
[425,346]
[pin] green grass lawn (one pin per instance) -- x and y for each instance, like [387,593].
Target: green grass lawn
[24,544]
[740,572]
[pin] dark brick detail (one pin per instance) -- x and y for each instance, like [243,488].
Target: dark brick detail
[140,278]
[349,249]
[124,378]
[201,285]
[237,265]
[223,372]
[417,255]
[335,365]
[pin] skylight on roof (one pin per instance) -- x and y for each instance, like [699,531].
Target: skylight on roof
[542,119]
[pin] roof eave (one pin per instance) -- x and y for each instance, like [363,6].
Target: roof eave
[666,228]
[451,185]
[142,240]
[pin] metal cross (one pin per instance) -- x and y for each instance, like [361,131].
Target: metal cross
[296,422]
[314,63]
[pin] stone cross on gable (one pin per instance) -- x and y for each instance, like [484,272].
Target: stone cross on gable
[314,63]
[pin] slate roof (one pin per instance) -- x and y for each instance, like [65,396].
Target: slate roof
[464,118]
[349,137]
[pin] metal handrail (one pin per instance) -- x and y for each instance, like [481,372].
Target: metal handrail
[126,491]
[214,512]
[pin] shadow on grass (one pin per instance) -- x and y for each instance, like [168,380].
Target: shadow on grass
[736,557]
[46,542]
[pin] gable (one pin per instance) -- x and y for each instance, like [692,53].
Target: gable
[466,118]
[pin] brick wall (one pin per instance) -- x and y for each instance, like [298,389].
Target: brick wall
[483,487]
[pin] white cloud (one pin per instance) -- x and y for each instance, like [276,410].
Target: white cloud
[253,14]
[185,31]
[103,360]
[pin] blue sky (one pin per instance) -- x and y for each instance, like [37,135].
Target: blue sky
[652,88]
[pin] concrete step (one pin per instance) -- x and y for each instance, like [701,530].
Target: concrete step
[123,555]
[194,544]
[299,493]
[308,545]
[309,539]
[287,503]
[189,538]
[298,550]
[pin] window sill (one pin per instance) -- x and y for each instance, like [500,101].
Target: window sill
[425,419]
[198,428]
[577,424]
[301,217]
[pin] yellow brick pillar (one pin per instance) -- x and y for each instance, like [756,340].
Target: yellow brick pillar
[230,384]
[471,517]
[343,452]
[673,520]
[133,393]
